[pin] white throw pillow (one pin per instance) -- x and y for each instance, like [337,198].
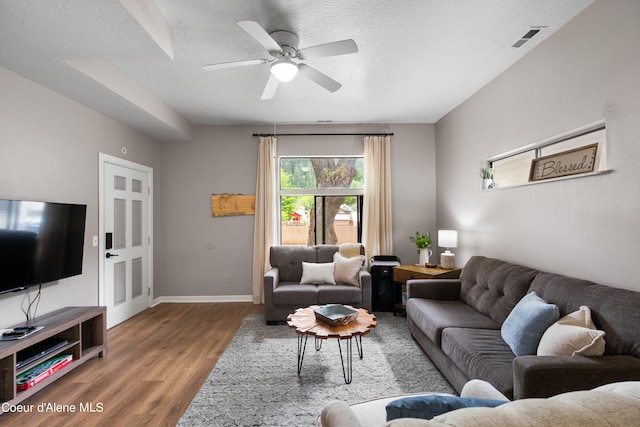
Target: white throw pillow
[347,269]
[318,273]
[574,334]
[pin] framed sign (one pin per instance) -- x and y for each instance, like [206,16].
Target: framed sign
[571,162]
[232,204]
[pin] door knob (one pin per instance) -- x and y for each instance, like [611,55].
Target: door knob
[109,255]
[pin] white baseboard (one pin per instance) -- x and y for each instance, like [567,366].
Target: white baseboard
[203,298]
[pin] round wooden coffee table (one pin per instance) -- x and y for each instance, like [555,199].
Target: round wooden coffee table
[305,323]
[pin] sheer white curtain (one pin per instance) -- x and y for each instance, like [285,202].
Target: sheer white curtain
[377,236]
[266,217]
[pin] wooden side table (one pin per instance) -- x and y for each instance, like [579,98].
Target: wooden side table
[402,273]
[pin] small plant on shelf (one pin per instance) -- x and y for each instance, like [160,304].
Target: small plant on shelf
[422,241]
[487,178]
[486,173]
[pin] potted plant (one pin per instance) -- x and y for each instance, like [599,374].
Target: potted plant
[423,243]
[487,177]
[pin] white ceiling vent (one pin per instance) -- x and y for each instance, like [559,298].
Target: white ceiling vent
[528,36]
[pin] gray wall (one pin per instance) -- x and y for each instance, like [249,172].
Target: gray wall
[199,250]
[49,149]
[586,227]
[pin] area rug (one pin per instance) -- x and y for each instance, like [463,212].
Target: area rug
[255,382]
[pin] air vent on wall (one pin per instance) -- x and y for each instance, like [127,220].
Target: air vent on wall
[528,36]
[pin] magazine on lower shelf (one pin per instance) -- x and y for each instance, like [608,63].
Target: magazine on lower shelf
[38,373]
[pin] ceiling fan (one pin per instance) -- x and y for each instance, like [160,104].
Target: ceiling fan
[283,49]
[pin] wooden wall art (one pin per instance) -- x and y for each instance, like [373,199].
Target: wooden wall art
[232,204]
[571,162]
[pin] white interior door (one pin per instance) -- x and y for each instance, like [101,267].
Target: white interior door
[125,248]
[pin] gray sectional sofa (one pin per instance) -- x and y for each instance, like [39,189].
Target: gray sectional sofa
[283,293]
[458,324]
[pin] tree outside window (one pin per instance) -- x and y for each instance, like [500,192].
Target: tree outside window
[321,199]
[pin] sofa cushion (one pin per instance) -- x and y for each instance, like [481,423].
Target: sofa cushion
[292,293]
[526,323]
[347,269]
[342,294]
[613,310]
[324,253]
[481,354]
[288,260]
[627,388]
[578,408]
[574,334]
[427,407]
[318,273]
[433,316]
[494,287]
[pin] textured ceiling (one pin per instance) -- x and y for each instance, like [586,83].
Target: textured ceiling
[140,61]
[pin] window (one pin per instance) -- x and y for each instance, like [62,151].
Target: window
[513,168]
[320,200]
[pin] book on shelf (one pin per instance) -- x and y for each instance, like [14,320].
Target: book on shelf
[38,373]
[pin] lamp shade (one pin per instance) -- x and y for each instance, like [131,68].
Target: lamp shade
[284,70]
[447,238]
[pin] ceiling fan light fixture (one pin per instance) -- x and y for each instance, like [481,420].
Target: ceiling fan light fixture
[284,70]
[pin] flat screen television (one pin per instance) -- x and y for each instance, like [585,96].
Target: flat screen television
[40,242]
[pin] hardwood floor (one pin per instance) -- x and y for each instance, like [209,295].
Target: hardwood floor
[155,364]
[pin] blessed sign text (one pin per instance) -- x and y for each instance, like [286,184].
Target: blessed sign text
[572,162]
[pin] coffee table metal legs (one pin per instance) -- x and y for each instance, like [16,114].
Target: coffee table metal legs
[302,345]
[347,372]
[359,345]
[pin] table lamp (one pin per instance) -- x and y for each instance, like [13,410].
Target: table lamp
[448,239]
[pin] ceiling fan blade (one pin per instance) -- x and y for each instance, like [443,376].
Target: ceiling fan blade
[330,49]
[316,76]
[234,64]
[270,88]
[256,31]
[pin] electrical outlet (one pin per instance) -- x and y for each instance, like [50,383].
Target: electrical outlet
[226,278]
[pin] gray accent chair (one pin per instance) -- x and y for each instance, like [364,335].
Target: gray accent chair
[283,293]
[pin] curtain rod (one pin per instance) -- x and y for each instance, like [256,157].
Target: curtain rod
[323,134]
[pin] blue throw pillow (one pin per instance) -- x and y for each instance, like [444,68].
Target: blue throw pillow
[527,322]
[427,407]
